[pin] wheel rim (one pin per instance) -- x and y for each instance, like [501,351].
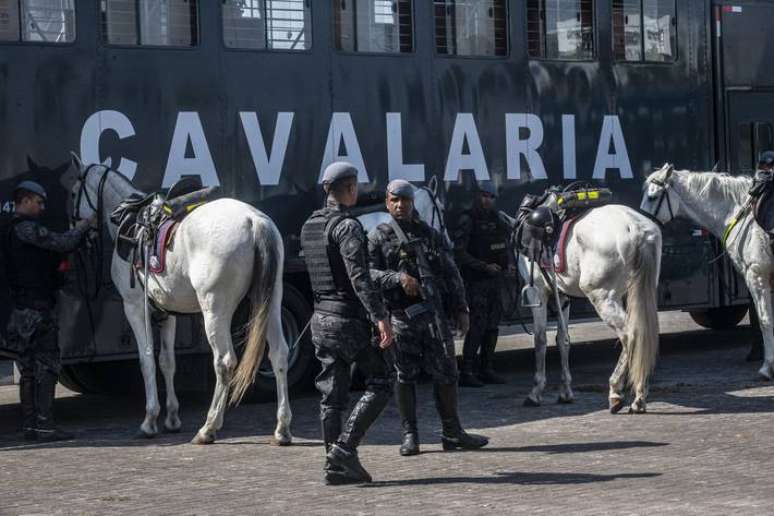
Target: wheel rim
[291,331]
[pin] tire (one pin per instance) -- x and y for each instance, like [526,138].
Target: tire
[296,313]
[722,318]
[118,377]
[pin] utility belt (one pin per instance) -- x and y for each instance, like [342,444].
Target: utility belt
[343,308]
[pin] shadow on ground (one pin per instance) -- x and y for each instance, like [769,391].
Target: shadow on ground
[696,371]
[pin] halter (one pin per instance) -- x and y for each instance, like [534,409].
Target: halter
[664,184]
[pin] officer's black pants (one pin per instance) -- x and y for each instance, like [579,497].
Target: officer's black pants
[340,342]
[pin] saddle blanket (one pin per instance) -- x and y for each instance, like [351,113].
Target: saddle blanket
[157,261]
[560,255]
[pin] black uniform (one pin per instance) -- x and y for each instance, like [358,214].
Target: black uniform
[334,245]
[416,347]
[482,238]
[32,256]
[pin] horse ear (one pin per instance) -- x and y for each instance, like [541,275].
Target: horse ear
[433,185]
[108,162]
[31,163]
[76,160]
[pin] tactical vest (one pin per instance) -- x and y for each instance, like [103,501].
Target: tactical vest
[403,260]
[488,240]
[31,271]
[327,273]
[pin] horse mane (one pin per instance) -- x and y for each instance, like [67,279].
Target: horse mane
[711,185]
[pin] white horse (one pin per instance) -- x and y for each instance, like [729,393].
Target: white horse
[613,257]
[715,200]
[222,251]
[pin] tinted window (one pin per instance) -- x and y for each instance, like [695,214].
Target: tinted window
[560,29]
[644,30]
[471,27]
[373,25]
[267,24]
[43,21]
[150,22]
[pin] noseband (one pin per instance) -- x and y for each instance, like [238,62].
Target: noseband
[664,195]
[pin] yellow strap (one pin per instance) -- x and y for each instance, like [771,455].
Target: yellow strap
[594,194]
[728,230]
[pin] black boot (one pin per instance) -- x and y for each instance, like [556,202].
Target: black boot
[45,428]
[27,400]
[348,461]
[756,347]
[406,395]
[487,374]
[470,347]
[453,436]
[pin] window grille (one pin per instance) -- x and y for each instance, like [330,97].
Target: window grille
[150,22]
[384,26]
[471,27]
[645,30]
[39,21]
[560,29]
[267,24]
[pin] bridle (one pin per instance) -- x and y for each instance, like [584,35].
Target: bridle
[437,212]
[664,185]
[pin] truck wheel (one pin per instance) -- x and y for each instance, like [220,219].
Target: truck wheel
[296,313]
[721,318]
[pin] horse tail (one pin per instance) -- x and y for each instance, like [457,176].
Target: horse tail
[641,326]
[266,284]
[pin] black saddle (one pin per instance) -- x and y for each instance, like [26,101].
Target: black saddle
[140,217]
[539,221]
[763,209]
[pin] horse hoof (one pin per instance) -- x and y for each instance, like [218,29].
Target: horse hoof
[616,404]
[637,409]
[142,434]
[562,400]
[172,430]
[529,402]
[765,372]
[284,441]
[203,439]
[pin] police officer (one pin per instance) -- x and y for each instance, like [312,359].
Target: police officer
[482,250]
[32,256]
[395,268]
[765,168]
[346,305]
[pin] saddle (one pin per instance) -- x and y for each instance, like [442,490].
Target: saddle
[146,224]
[762,192]
[543,222]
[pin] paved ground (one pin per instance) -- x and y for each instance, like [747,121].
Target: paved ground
[704,448]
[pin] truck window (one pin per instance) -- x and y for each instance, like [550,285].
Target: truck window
[560,29]
[37,21]
[172,23]
[384,26]
[471,27]
[645,30]
[267,24]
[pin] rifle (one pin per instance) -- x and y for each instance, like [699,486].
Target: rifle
[428,289]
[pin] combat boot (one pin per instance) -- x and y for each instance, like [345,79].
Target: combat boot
[453,436]
[487,374]
[406,395]
[27,401]
[348,461]
[45,429]
[467,375]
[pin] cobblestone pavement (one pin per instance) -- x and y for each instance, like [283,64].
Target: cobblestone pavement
[703,448]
